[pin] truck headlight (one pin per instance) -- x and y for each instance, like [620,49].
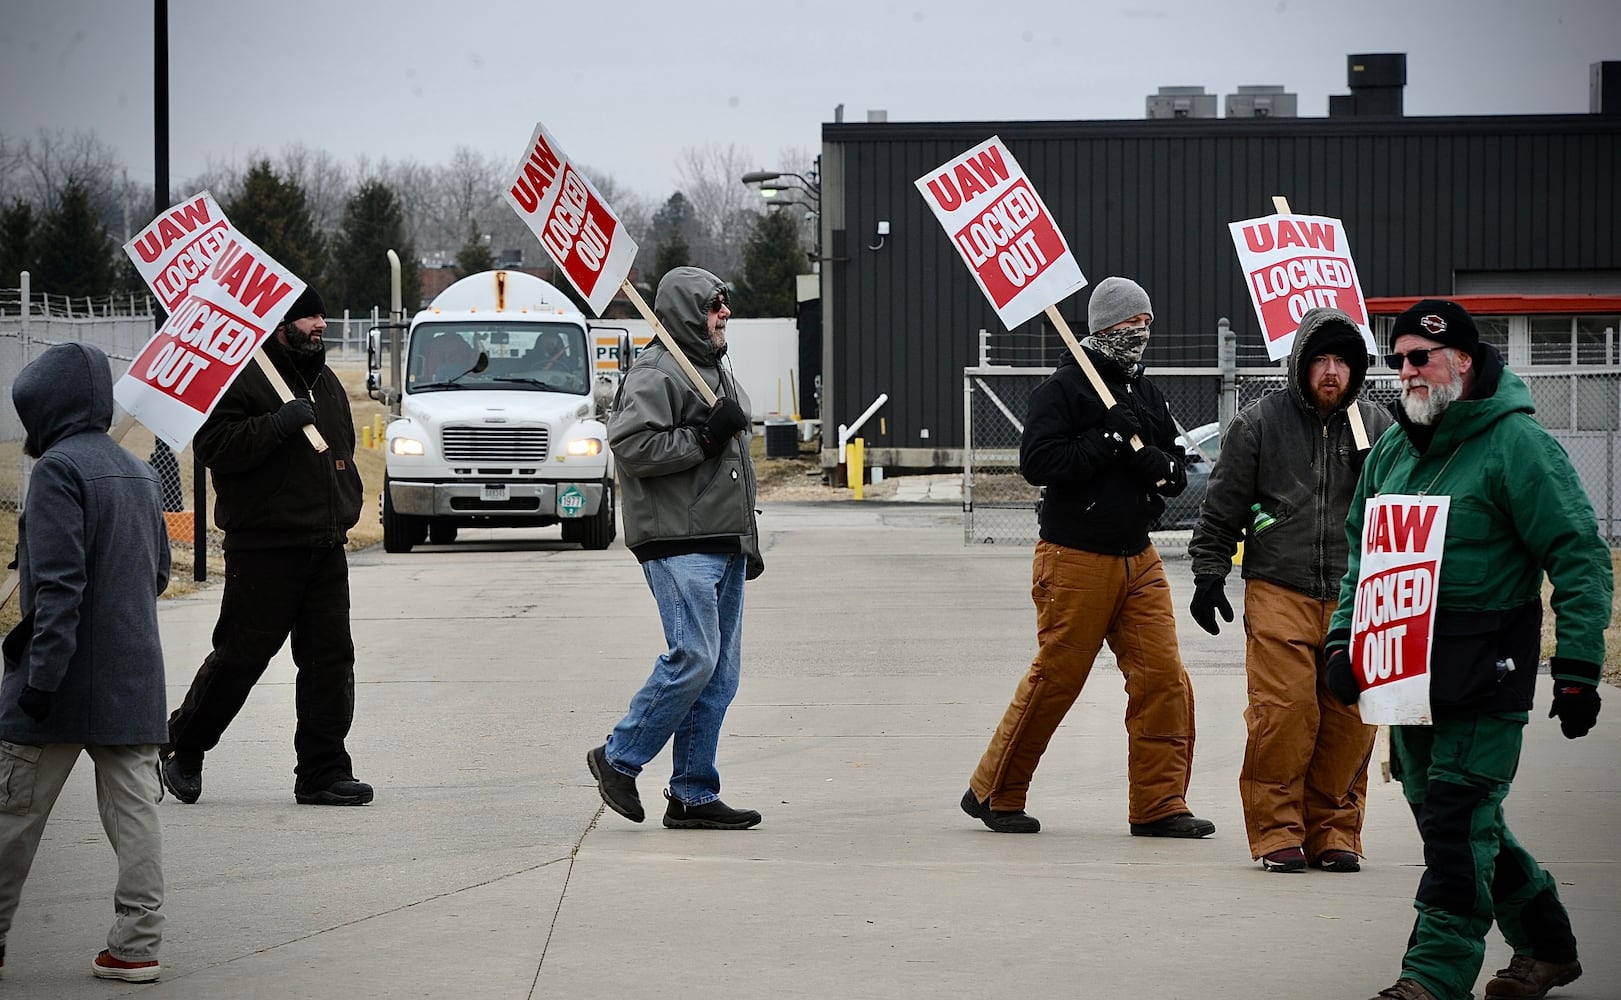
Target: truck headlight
[405,446]
[584,446]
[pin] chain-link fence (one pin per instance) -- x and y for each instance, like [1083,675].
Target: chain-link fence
[1580,407]
[25,333]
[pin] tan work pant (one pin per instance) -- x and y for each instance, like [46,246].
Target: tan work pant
[1082,600]
[1305,776]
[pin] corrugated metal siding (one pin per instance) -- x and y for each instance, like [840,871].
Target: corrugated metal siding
[1421,199]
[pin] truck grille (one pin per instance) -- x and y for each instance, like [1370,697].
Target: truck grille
[489,444]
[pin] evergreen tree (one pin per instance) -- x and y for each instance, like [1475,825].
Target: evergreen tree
[275,214]
[71,251]
[671,234]
[772,256]
[475,255]
[17,226]
[373,224]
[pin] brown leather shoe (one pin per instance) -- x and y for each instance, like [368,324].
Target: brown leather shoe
[1404,989]
[1527,978]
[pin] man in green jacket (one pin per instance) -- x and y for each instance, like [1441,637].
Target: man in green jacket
[1517,510]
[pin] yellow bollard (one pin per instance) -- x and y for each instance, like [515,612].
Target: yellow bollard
[365,436]
[1238,557]
[857,466]
[378,434]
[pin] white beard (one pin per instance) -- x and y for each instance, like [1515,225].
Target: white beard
[1428,410]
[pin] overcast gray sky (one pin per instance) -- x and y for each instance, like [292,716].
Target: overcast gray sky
[626,85]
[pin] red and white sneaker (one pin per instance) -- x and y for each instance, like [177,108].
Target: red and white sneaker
[105,966]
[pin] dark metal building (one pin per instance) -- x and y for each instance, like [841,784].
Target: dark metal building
[1501,204]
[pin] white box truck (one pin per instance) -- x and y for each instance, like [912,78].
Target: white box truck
[499,416]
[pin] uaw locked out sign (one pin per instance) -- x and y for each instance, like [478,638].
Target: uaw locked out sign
[1003,231]
[1292,265]
[1393,624]
[577,227]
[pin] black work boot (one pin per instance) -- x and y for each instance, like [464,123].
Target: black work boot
[715,815]
[1005,821]
[1184,825]
[1528,978]
[182,774]
[618,790]
[343,792]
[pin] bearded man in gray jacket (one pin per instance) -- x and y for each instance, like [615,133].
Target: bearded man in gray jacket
[1289,464]
[688,486]
[84,667]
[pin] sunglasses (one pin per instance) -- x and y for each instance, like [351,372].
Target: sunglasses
[720,299]
[1418,358]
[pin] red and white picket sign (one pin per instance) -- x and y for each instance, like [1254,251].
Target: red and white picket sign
[181,373]
[1002,229]
[572,221]
[1393,626]
[174,251]
[1295,263]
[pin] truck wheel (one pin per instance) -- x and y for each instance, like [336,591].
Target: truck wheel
[400,532]
[597,531]
[441,532]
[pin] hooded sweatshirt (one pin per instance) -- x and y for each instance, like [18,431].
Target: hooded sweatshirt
[1298,464]
[92,558]
[677,501]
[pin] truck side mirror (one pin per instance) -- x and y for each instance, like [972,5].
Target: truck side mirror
[626,348]
[374,366]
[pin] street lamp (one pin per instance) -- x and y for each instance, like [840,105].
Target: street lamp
[773,183]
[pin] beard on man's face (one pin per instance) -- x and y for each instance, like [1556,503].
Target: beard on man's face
[1426,408]
[301,341]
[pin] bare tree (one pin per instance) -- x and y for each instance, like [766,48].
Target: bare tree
[326,182]
[723,207]
[38,170]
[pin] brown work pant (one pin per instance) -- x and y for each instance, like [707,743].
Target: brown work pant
[1083,599]
[1304,781]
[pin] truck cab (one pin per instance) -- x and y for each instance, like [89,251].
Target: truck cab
[498,418]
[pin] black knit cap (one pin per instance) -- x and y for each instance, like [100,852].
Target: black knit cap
[307,304]
[1339,338]
[1440,320]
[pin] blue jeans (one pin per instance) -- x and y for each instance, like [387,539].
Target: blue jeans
[700,599]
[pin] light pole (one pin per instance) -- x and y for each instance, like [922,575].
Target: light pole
[775,183]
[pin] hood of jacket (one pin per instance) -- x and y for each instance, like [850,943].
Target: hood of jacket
[1319,327]
[682,306]
[65,391]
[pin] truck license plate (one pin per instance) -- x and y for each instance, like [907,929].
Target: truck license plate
[494,491]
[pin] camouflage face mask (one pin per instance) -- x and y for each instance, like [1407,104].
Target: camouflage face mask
[1123,346]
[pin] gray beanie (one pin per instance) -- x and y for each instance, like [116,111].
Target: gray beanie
[1116,300]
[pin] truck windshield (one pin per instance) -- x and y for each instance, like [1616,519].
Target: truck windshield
[524,357]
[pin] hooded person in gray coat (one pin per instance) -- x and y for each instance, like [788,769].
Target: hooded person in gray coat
[84,667]
[688,486]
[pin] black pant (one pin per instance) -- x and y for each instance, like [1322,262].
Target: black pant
[270,594]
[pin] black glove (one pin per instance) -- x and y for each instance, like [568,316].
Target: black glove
[1152,468]
[1120,426]
[294,414]
[725,419]
[1209,596]
[1338,677]
[36,704]
[1575,705]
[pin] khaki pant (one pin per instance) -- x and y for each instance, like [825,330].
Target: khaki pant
[1082,600]
[127,795]
[1305,776]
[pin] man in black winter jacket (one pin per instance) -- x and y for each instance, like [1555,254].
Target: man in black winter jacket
[1098,579]
[286,511]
